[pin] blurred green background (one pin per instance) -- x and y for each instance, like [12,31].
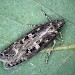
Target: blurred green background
[15,17]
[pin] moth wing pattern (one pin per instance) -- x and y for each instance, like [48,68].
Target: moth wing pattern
[31,43]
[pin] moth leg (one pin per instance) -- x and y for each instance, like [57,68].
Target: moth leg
[46,15]
[49,52]
[61,37]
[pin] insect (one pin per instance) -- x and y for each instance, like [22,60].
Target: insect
[31,43]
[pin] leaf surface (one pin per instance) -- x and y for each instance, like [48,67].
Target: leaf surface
[15,15]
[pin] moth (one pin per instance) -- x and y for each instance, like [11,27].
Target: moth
[31,43]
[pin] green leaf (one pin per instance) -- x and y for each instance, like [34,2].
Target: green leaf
[15,15]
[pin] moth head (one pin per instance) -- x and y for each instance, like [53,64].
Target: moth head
[58,24]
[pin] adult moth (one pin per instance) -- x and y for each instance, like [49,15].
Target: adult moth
[31,43]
